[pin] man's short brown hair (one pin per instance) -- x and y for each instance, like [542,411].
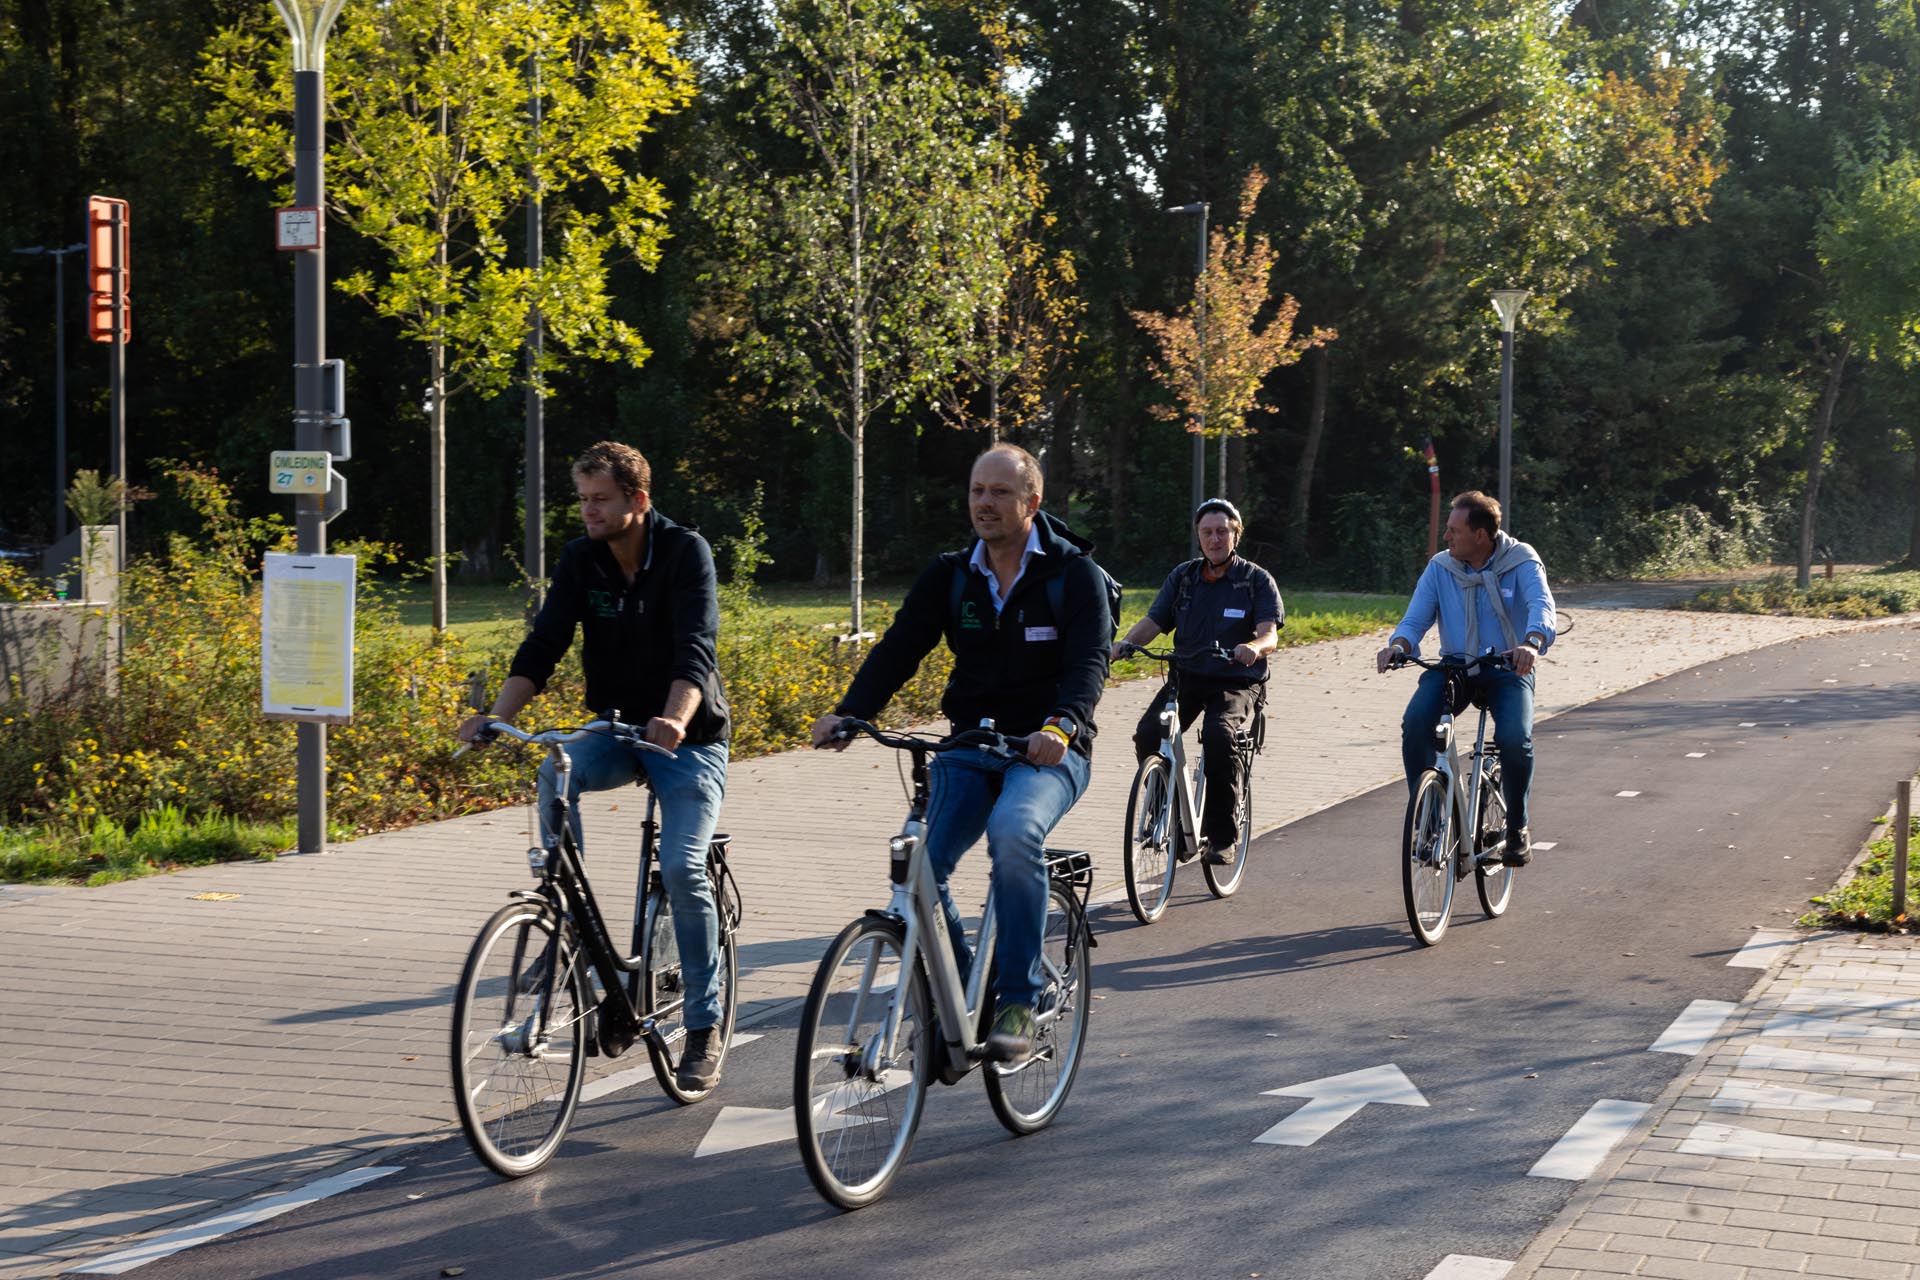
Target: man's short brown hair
[1030,474]
[620,461]
[1483,512]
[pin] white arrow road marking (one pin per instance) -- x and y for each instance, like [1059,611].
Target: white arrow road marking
[738,1128]
[1697,1024]
[1335,1099]
[1725,1140]
[245,1215]
[1741,1095]
[1763,1057]
[1461,1266]
[1802,1026]
[639,1075]
[1762,949]
[1580,1152]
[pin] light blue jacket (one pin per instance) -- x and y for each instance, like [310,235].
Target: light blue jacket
[1440,597]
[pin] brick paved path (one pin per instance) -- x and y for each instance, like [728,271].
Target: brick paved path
[171,1051]
[1791,1150]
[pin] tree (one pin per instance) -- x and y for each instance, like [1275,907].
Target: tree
[860,230]
[1216,354]
[1868,244]
[434,154]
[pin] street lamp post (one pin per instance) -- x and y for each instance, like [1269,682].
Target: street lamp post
[309,22]
[59,257]
[1200,415]
[1506,305]
[536,494]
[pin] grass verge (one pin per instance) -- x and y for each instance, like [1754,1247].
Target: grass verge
[1866,901]
[1877,593]
[164,839]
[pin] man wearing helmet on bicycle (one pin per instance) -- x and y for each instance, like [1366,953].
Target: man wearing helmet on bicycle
[1489,594]
[1216,604]
[641,591]
[1026,614]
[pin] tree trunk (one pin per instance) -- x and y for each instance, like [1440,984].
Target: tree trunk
[1816,458]
[1233,461]
[437,481]
[1060,456]
[1297,515]
[1913,538]
[1119,445]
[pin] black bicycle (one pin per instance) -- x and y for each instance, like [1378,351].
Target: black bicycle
[528,1013]
[1163,810]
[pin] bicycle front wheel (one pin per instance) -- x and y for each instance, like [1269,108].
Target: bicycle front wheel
[1151,840]
[858,1092]
[1495,883]
[663,992]
[1028,1096]
[1224,877]
[1427,850]
[519,1037]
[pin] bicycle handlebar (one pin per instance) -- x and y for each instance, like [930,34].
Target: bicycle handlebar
[1168,655]
[1451,662]
[631,735]
[992,739]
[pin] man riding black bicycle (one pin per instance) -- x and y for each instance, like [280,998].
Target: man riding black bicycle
[640,588]
[1215,604]
[1489,594]
[1025,612]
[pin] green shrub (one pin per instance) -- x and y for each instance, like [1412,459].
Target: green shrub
[1866,901]
[1878,594]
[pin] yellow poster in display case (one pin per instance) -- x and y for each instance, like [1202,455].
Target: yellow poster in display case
[306,638]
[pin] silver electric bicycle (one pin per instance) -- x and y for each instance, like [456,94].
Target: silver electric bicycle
[890,1012]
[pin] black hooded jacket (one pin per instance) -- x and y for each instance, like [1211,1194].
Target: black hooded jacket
[1017,668]
[635,640]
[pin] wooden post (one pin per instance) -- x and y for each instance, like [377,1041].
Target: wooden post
[1903,821]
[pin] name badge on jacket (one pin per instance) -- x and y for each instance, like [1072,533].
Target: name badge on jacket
[1235,613]
[1043,633]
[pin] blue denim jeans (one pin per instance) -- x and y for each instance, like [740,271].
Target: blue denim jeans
[690,787]
[1510,698]
[1015,805]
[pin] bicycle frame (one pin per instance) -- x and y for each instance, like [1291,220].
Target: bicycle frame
[1189,796]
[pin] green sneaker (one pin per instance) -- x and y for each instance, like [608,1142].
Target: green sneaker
[1012,1037]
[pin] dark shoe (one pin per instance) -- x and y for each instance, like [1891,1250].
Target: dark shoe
[699,1068]
[1519,850]
[1012,1038]
[1222,855]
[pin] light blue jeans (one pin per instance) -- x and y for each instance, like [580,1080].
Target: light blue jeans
[1015,805]
[690,787]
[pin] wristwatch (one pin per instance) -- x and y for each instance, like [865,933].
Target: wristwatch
[1061,727]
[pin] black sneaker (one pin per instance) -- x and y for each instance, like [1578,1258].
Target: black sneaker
[699,1068]
[1222,855]
[1519,850]
[1012,1037]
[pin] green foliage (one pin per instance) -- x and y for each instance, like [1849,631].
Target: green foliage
[1850,595]
[1866,901]
[96,501]
[163,838]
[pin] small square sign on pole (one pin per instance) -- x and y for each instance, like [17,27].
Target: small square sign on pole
[298,471]
[306,638]
[298,228]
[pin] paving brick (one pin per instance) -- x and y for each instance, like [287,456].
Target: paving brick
[1682,1269]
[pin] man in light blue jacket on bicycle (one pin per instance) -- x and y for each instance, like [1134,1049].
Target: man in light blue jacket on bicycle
[1489,594]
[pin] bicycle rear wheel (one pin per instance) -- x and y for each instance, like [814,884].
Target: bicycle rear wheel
[520,1022]
[1428,847]
[1029,1096]
[663,986]
[1150,840]
[1224,877]
[1495,883]
[856,1105]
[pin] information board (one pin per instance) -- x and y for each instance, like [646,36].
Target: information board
[306,638]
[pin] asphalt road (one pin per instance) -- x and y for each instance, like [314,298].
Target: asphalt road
[1510,1029]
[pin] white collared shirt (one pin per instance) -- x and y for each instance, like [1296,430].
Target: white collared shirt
[979,562]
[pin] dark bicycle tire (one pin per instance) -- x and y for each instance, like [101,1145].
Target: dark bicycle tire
[1151,840]
[661,984]
[1494,883]
[1428,846]
[856,1130]
[517,1096]
[1027,1098]
[1224,877]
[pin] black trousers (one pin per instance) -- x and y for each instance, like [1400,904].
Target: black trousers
[1228,710]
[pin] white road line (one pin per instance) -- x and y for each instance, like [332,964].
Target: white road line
[1696,755]
[1546,844]
[1462,1266]
[1745,1095]
[1593,1135]
[1765,1057]
[615,1083]
[1749,724]
[1762,949]
[1728,1142]
[220,1224]
[1697,1024]
[1625,795]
